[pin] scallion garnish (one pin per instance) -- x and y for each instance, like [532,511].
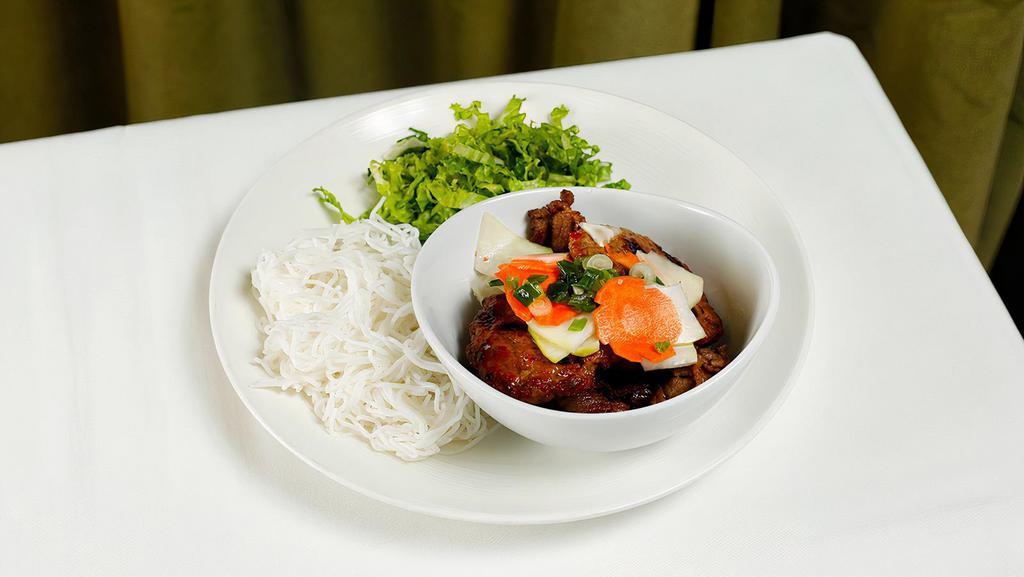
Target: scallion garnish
[578,325]
[662,346]
[578,282]
[495,282]
[537,278]
[644,271]
[582,303]
[569,269]
[527,293]
[598,261]
[587,280]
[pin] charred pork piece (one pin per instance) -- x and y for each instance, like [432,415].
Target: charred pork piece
[503,354]
[709,321]
[636,395]
[552,224]
[679,381]
[582,245]
[710,360]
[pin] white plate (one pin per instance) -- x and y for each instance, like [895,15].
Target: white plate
[506,478]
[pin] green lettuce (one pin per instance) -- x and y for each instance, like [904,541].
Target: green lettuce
[429,179]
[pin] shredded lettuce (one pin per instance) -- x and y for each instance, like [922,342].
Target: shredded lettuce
[326,198]
[427,180]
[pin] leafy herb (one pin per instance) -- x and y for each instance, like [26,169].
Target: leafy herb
[430,179]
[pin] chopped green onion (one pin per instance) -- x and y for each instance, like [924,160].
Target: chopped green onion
[569,269]
[558,291]
[495,282]
[588,280]
[662,346]
[578,324]
[657,280]
[576,284]
[644,271]
[537,278]
[582,303]
[527,293]
[598,261]
[512,283]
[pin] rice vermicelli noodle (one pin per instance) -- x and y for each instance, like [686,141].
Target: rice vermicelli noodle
[339,328]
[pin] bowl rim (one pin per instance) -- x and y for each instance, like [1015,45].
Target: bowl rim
[464,375]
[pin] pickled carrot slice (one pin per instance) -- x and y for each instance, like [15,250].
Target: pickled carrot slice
[546,312]
[558,314]
[633,318]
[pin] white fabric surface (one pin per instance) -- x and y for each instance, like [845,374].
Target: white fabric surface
[124,450]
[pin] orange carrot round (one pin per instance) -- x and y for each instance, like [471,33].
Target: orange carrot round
[633,319]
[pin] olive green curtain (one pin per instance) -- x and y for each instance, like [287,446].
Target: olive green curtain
[950,67]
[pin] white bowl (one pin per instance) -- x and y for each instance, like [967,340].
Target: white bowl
[740,280]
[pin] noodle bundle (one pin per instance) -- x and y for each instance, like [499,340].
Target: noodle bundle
[339,328]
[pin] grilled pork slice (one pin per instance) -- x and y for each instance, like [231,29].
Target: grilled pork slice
[502,353]
[551,225]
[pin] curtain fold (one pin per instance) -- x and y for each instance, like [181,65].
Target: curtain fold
[187,57]
[1007,178]
[950,67]
[60,68]
[350,46]
[599,30]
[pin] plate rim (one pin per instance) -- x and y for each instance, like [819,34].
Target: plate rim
[520,519]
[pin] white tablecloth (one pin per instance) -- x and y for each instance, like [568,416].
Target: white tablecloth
[124,451]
